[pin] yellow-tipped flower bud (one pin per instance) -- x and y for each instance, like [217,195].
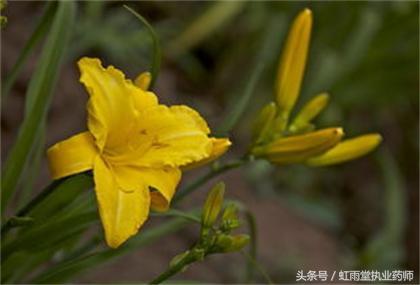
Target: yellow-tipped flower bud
[309,112]
[263,124]
[213,205]
[347,150]
[298,148]
[292,63]
[143,80]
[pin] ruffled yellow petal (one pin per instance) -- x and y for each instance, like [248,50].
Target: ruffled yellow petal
[220,146]
[122,213]
[165,136]
[292,63]
[347,150]
[112,104]
[72,156]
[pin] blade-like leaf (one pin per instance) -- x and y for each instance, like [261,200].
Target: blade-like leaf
[36,36]
[157,54]
[39,92]
[64,271]
[53,232]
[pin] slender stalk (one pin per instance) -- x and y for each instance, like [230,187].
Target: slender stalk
[258,267]
[206,177]
[252,225]
[172,270]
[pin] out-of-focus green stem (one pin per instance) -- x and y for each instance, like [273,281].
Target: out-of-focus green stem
[172,270]
[253,244]
[214,172]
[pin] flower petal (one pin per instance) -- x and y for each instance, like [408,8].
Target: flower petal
[162,180]
[165,181]
[347,150]
[165,136]
[220,146]
[112,103]
[72,156]
[122,213]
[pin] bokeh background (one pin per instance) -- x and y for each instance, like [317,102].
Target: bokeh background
[360,215]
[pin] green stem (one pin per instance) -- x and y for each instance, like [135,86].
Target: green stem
[172,270]
[206,177]
[252,225]
[258,267]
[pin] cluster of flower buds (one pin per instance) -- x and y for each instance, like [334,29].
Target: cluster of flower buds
[216,233]
[284,141]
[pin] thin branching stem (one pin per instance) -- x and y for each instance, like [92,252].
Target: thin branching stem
[214,172]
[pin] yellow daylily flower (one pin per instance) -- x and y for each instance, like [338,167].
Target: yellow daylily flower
[135,147]
[281,142]
[347,150]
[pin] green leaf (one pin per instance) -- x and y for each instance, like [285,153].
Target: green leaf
[36,36]
[157,54]
[32,167]
[66,270]
[178,213]
[44,236]
[39,93]
[65,193]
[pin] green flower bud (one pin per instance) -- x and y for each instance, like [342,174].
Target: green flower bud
[261,130]
[179,258]
[213,205]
